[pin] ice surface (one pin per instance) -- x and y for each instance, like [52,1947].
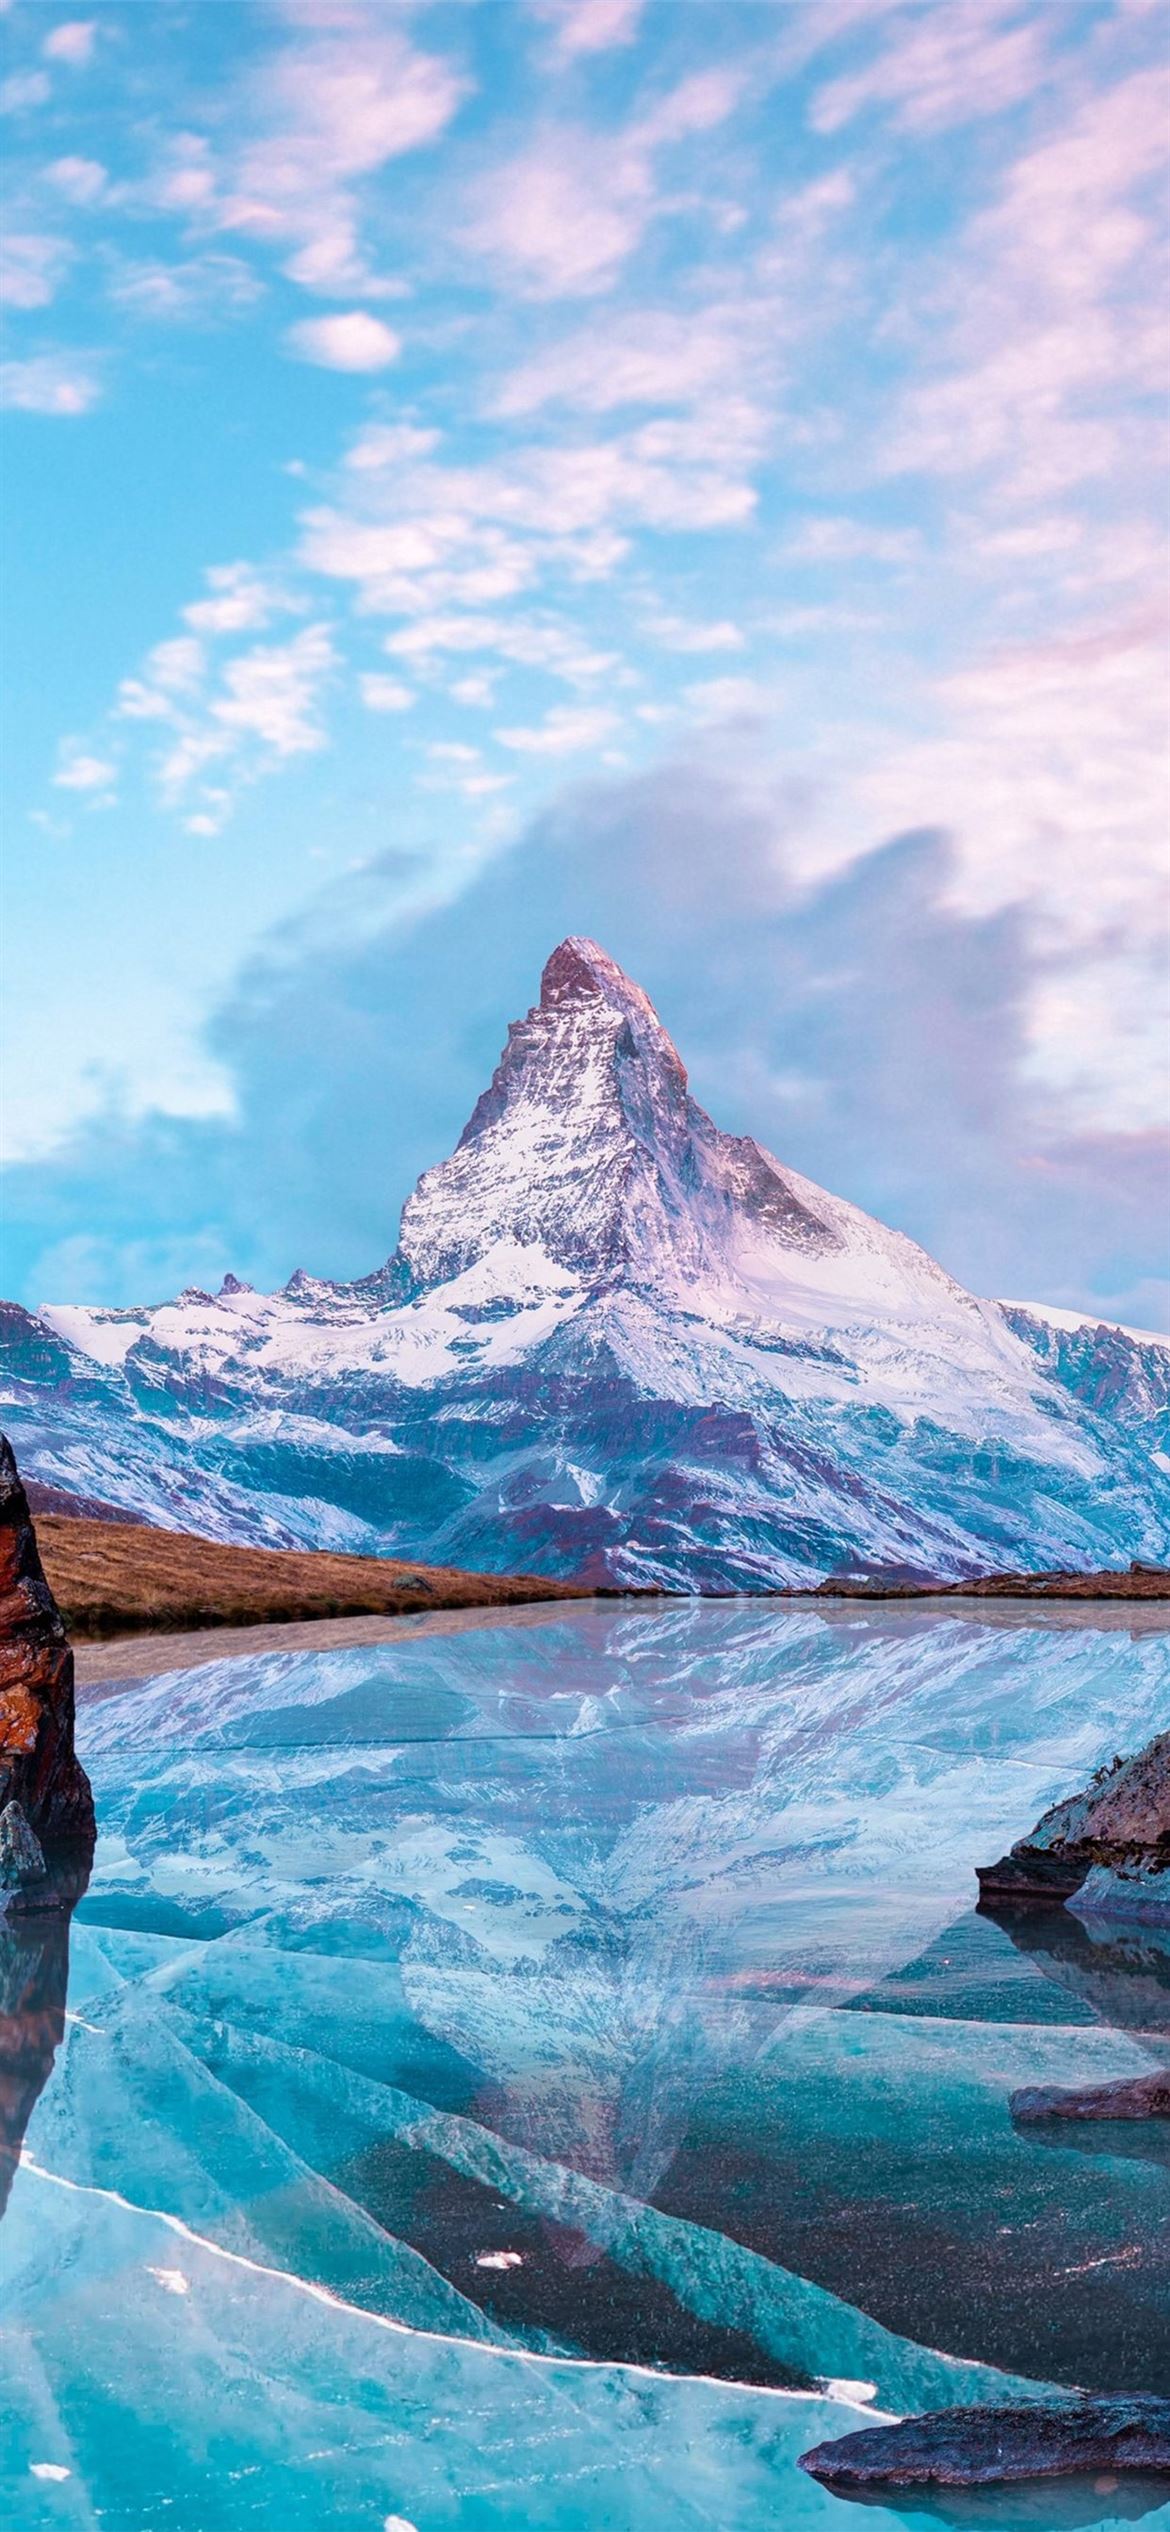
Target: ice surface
[503,2067]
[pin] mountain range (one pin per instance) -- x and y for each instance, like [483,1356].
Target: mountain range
[616,1342]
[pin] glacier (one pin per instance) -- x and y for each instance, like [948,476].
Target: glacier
[617,1343]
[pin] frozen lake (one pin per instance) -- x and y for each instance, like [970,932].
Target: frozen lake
[546,2070]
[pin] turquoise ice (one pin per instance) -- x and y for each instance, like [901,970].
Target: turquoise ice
[546,2070]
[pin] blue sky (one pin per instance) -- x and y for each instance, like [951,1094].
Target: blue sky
[477,472]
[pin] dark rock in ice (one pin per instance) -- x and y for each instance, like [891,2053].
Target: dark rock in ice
[1142,2097]
[34,1979]
[989,2448]
[1045,1880]
[21,1859]
[40,1774]
[1110,1844]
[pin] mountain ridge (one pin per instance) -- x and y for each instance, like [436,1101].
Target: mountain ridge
[614,1340]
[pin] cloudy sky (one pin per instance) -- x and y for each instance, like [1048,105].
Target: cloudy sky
[694,473]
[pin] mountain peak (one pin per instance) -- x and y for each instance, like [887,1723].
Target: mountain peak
[580,966]
[587,1148]
[580,972]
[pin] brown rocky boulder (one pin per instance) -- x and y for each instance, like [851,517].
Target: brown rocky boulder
[46,1807]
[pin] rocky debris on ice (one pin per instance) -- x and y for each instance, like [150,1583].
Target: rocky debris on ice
[1144,2097]
[987,2448]
[1108,1846]
[45,1799]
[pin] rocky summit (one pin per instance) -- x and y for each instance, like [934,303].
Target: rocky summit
[618,1343]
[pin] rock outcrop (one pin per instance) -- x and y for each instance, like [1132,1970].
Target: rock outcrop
[46,1808]
[1109,1846]
[989,2448]
[1142,2097]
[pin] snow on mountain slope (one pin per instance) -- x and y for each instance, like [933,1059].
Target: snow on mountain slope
[613,1337]
[1077,1322]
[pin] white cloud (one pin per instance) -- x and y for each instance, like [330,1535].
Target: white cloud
[185,181]
[589,26]
[946,67]
[72,43]
[137,701]
[385,694]
[418,537]
[171,673]
[31,265]
[676,633]
[478,690]
[564,217]
[59,383]
[834,540]
[81,180]
[229,723]
[727,698]
[270,693]
[389,444]
[484,786]
[1045,317]
[241,601]
[195,288]
[81,772]
[526,642]
[566,214]
[177,666]
[354,341]
[563,731]
[25,88]
[641,356]
[348,94]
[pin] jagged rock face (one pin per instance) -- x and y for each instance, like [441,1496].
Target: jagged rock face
[616,1343]
[39,1771]
[1120,1821]
[1115,1371]
[588,1145]
[1108,1846]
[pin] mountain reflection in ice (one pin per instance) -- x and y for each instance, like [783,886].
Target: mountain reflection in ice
[463,2026]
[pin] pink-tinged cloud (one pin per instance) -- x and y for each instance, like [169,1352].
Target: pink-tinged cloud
[71,43]
[31,266]
[951,65]
[353,341]
[583,27]
[57,383]
[567,213]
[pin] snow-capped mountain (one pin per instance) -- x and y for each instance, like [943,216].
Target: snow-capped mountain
[618,1341]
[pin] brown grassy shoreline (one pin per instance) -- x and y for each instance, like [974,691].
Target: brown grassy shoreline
[114,1578]
[125,1579]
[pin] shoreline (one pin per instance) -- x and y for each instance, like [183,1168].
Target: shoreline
[112,1661]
